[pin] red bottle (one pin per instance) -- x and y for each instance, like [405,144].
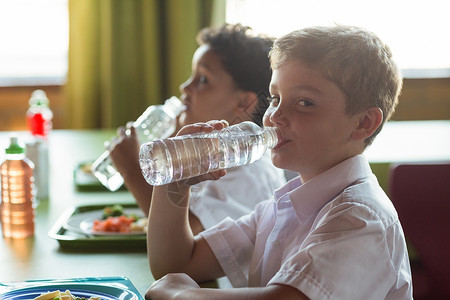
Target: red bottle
[39,116]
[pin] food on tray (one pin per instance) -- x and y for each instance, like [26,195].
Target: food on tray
[115,220]
[58,295]
[83,177]
[86,167]
[113,211]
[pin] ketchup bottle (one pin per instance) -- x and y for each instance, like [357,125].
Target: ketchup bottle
[39,123]
[39,116]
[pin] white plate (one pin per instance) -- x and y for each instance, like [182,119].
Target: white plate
[83,222]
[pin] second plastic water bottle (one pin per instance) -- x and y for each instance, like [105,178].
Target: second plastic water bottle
[157,122]
[186,156]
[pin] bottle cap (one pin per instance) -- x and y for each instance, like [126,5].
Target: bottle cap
[38,97]
[271,136]
[15,147]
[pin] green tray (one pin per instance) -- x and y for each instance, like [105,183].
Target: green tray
[110,288]
[85,181]
[72,240]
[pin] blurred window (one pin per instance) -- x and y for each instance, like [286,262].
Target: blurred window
[34,42]
[417,31]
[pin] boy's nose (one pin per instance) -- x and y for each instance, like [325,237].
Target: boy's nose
[277,116]
[184,86]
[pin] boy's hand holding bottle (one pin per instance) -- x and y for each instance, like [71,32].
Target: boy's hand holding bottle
[178,191]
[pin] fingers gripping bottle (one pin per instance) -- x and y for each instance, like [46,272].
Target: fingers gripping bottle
[157,122]
[182,157]
[17,193]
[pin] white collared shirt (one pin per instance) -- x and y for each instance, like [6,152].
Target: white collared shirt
[335,237]
[237,193]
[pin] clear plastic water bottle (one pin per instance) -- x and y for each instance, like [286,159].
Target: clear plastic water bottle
[186,156]
[17,195]
[157,122]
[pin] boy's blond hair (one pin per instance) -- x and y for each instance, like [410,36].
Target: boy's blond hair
[356,60]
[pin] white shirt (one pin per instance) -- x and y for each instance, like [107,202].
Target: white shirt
[237,193]
[335,237]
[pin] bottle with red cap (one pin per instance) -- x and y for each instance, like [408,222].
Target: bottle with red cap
[39,122]
[39,116]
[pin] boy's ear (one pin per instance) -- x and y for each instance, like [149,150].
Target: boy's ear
[367,123]
[247,103]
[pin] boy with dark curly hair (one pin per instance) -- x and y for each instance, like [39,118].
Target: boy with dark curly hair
[230,79]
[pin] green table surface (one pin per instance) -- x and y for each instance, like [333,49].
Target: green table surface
[42,257]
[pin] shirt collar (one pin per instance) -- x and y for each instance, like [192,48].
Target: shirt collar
[311,196]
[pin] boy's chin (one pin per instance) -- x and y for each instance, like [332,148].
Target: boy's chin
[277,161]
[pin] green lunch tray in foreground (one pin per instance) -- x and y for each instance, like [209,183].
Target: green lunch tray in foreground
[108,288]
[77,240]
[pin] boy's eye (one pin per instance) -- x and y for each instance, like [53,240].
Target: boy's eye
[273,100]
[202,79]
[305,103]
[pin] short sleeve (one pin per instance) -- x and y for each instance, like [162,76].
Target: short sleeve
[233,243]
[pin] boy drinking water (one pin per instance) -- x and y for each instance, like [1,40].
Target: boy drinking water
[330,233]
[230,74]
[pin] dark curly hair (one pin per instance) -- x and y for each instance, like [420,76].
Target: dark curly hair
[245,56]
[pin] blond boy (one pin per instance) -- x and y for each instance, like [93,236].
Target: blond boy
[330,233]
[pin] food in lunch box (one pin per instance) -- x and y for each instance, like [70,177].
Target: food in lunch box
[58,295]
[116,220]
